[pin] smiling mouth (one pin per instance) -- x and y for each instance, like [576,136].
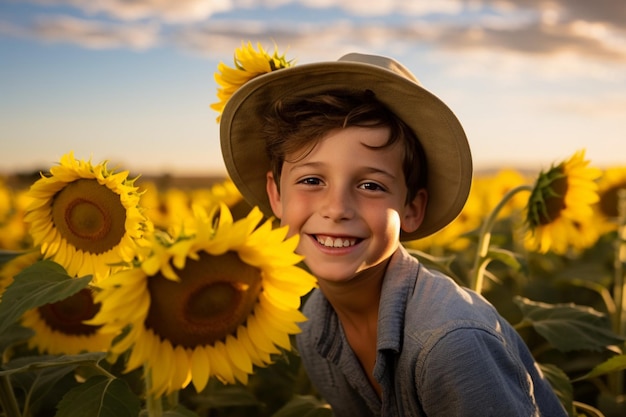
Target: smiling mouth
[335,242]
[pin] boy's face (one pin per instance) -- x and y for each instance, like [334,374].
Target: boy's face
[346,201]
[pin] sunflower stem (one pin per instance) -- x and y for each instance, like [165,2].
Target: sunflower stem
[154,405]
[620,259]
[7,397]
[619,286]
[172,400]
[481,260]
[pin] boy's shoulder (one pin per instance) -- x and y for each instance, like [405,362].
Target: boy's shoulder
[440,298]
[422,298]
[428,299]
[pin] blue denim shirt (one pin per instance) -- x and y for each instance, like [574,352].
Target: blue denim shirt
[442,350]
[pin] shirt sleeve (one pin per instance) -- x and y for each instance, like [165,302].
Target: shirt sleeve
[473,372]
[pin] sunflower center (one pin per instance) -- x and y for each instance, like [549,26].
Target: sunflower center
[92,222]
[67,316]
[214,296]
[89,216]
[554,203]
[609,200]
[214,300]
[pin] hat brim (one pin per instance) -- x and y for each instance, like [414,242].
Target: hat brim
[440,133]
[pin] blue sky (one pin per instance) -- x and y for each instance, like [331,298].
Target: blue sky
[131,82]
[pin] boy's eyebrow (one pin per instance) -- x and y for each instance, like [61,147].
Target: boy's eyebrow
[316,165]
[295,166]
[374,170]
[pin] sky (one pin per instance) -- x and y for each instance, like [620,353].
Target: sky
[131,82]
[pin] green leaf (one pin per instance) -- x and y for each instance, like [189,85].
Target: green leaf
[14,334]
[99,396]
[440,263]
[44,387]
[569,327]
[561,385]
[304,406]
[443,262]
[505,256]
[36,363]
[586,410]
[614,364]
[42,283]
[45,378]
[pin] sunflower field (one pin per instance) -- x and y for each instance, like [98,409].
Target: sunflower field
[130,297]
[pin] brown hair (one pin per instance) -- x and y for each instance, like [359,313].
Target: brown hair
[299,123]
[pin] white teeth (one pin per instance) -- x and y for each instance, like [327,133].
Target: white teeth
[336,243]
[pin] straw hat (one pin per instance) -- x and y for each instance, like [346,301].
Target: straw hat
[448,156]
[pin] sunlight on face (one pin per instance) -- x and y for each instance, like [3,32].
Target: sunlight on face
[346,199]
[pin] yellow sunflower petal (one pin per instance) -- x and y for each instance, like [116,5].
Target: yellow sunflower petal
[259,338]
[237,354]
[200,368]
[220,362]
[162,375]
[274,333]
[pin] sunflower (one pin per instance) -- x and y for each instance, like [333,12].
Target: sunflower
[59,327]
[612,181]
[248,65]
[85,217]
[214,303]
[559,209]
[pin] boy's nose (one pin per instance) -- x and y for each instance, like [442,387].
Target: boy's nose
[337,205]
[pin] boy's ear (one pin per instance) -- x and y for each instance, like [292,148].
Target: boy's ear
[273,195]
[414,212]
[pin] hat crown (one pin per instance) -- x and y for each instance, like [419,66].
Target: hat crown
[382,62]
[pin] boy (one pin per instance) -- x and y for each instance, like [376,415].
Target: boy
[355,157]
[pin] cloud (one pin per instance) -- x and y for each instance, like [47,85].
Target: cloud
[536,39]
[534,29]
[384,7]
[532,40]
[170,11]
[219,39]
[173,11]
[609,12]
[86,33]
[607,106]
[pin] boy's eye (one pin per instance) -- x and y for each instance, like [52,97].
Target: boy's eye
[372,186]
[310,181]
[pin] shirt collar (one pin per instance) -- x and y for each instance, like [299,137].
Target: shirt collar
[398,286]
